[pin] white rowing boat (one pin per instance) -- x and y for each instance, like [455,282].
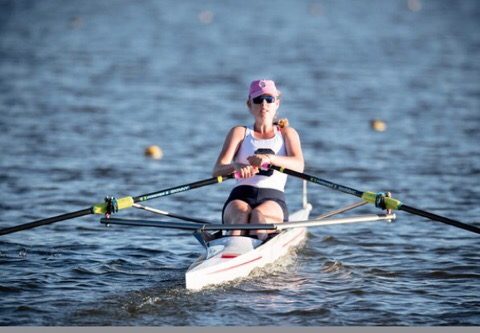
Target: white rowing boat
[232,257]
[227,258]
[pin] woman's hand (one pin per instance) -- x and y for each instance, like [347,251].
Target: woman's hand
[245,170]
[259,160]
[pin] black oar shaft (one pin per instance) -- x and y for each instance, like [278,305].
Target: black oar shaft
[182,188]
[123,203]
[46,221]
[391,203]
[319,181]
[439,218]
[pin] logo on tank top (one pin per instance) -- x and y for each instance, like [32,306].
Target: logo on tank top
[267,173]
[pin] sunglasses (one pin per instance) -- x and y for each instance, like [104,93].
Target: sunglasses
[261,98]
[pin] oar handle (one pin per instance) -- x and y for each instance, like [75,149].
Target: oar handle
[264,166]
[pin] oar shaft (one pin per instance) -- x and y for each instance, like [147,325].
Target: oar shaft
[182,188]
[371,197]
[46,221]
[126,202]
[439,218]
[319,181]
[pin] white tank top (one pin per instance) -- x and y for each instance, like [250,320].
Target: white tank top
[249,146]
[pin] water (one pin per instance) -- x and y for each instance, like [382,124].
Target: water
[86,86]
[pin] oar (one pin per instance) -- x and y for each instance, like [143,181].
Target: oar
[122,203]
[378,199]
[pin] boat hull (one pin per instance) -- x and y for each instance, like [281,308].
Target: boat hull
[232,257]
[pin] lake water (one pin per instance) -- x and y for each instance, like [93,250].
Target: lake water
[86,86]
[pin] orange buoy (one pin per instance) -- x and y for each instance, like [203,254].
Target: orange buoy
[154,152]
[378,125]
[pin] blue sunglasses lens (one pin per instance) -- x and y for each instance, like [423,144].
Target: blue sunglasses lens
[260,99]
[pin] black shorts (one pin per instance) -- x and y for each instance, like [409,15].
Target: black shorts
[255,196]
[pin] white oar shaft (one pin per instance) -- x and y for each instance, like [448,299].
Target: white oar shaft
[165,213]
[344,220]
[276,226]
[341,210]
[150,209]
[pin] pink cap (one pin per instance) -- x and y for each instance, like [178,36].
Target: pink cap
[261,87]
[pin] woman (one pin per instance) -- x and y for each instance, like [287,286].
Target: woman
[258,196]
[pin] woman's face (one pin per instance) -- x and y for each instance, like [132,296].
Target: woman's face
[264,107]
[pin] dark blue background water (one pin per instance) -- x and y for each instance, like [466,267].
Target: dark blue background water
[87,85]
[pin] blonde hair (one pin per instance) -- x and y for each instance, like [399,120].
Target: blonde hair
[282,123]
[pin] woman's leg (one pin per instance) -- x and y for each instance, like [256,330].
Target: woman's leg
[237,212]
[267,212]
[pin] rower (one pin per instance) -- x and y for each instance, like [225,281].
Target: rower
[258,196]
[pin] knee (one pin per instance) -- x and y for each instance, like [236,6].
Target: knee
[266,214]
[237,213]
[257,215]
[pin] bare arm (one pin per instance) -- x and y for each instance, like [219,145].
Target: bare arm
[224,164]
